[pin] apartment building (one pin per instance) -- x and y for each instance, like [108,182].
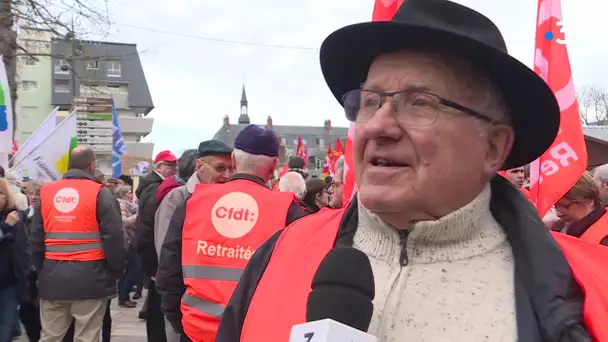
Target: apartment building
[87,69]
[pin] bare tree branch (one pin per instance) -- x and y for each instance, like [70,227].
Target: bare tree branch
[593,104]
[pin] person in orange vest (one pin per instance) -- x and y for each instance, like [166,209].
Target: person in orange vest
[456,252]
[213,235]
[77,246]
[581,212]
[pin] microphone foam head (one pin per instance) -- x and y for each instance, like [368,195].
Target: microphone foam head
[343,289]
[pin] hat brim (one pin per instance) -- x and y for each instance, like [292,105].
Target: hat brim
[347,54]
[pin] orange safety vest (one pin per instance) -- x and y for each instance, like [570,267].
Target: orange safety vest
[224,225]
[69,217]
[597,231]
[588,262]
[279,301]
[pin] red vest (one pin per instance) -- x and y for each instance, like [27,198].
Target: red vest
[588,262]
[224,225]
[597,231]
[283,290]
[69,216]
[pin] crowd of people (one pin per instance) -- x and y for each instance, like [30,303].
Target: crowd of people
[446,124]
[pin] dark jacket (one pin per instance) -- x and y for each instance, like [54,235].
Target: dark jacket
[144,225]
[169,280]
[81,280]
[15,260]
[166,186]
[549,302]
[579,228]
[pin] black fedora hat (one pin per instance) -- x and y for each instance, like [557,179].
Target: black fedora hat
[347,54]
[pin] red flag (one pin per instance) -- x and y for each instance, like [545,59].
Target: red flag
[384,10]
[327,164]
[556,171]
[284,170]
[15,147]
[305,155]
[338,152]
[299,151]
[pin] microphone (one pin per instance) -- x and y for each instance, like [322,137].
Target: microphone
[339,307]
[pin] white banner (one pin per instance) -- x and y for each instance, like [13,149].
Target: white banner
[6,112]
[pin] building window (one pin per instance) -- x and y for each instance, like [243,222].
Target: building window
[62,63]
[114,69]
[28,60]
[321,142]
[93,65]
[29,85]
[62,86]
[27,112]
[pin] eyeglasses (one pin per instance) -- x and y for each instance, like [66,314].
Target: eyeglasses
[221,168]
[409,107]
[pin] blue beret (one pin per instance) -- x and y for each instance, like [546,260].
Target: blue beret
[256,140]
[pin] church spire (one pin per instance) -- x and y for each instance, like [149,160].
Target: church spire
[244,117]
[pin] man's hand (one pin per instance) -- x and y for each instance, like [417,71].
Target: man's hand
[12,218]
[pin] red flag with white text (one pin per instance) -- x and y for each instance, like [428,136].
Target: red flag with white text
[384,10]
[558,169]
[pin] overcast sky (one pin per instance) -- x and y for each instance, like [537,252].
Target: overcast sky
[195,82]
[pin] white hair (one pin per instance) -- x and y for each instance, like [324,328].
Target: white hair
[601,173]
[251,163]
[293,182]
[339,169]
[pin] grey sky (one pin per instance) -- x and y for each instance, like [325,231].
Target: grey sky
[195,82]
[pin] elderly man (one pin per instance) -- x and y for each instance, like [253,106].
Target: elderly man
[212,165]
[336,186]
[77,245]
[165,166]
[213,235]
[600,175]
[293,182]
[456,253]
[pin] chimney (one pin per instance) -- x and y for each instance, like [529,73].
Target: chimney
[269,122]
[227,122]
[328,125]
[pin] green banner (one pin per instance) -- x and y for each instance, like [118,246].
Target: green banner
[95,116]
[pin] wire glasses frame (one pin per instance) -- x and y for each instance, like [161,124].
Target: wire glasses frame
[409,107]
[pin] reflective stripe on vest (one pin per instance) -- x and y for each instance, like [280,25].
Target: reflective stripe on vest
[224,225]
[598,230]
[69,216]
[279,301]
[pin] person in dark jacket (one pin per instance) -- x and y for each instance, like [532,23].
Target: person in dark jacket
[316,196]
[580,209]
[15,262]
[165,166]
[76,289]
[252,160]
[456,253]
[185,168]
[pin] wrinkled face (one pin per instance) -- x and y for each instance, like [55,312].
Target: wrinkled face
[214,169]
[335,191]
[407,173]
[571,211]
[128,196]
[603,187]
[516,177]
[33,196]
[166,169]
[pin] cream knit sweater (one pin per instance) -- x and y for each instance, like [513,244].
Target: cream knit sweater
[457,281]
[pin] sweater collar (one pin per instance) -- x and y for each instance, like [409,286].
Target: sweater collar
[464,233]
